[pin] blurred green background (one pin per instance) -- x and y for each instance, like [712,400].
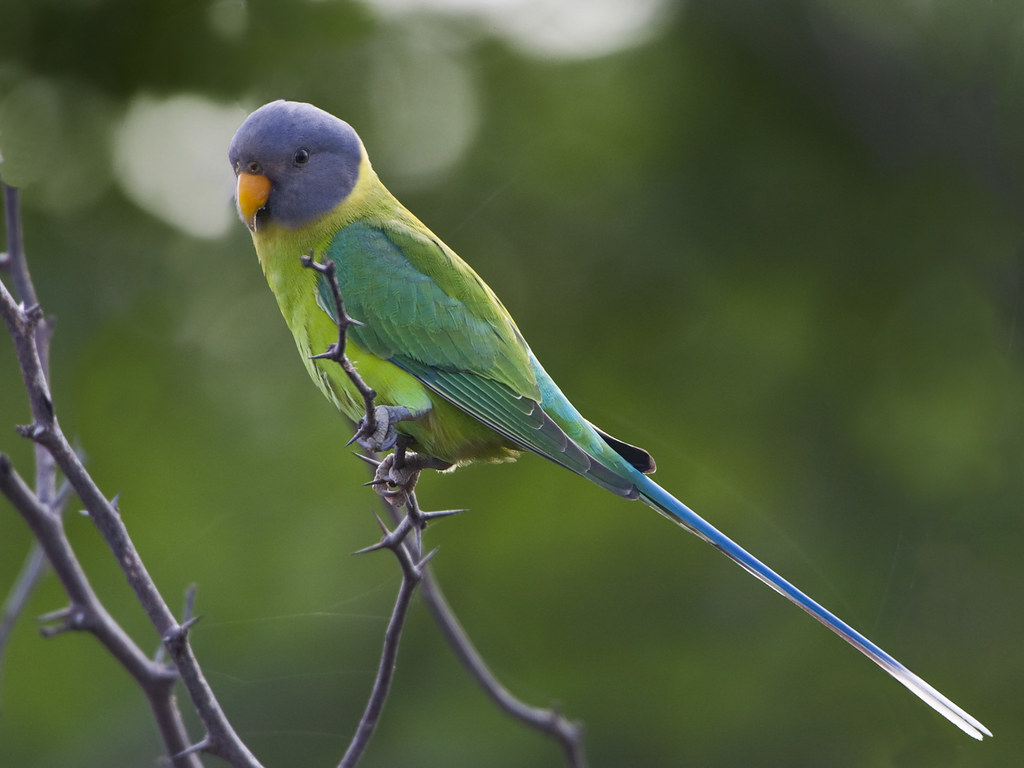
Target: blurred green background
[777,244]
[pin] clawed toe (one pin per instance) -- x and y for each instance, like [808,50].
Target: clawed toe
[381,434]
[395,483]
[395,477]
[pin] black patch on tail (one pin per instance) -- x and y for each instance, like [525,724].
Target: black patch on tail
[640,459]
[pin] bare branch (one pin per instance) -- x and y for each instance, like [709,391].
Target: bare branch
[31,571]
[87,613]
[16,265]
[336,351]
[15,258]
[14,262]
[412,574]
[550,721]
[30,334]
[395,479]
[396,540]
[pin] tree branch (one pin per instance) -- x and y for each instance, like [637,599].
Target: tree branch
[336,351]
[412,566]
[568,733]
[14,263]
[86,613]
[17,599]
[548,721]
[30,334]
[42,511]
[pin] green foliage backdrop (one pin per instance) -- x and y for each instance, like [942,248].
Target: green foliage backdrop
[779,245]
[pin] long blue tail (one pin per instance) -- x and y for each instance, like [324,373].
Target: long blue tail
[675,510]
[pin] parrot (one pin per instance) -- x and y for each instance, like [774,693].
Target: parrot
[452,373]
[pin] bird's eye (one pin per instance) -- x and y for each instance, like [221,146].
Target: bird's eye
[253,167]
[301,157]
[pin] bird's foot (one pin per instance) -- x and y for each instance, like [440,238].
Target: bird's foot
[379,434]
[394,484]
[397,474]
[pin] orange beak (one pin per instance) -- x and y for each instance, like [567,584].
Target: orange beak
[251,194]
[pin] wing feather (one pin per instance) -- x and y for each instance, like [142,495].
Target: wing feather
[426,311]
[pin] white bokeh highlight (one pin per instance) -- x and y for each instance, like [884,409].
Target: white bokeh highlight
[566,29]
[170,157]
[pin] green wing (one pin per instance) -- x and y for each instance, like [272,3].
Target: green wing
[419,301]
[426,311]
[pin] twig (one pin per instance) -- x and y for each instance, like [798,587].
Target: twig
[396,540]
[85,611]
[15,258]
[14,263]
[412,565]
[31,571]
[568,733]
[17,265]
[336,351]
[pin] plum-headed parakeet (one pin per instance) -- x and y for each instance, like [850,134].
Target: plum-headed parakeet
[433,340]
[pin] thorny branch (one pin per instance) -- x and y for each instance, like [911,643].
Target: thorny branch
[31,571]
[336,351]
[41,510]
[567,733]
[415,572]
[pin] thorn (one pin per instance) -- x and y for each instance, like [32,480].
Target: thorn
[60,613]
[423,561]
[70,618]
[330,354]
[372,548]
[176,638]
[428,516]
[200,746]
[190,602]
[369,460]
[32,431]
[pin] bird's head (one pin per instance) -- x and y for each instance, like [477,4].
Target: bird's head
[293,163]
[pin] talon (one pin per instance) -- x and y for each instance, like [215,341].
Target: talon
[394,484]
[384,434]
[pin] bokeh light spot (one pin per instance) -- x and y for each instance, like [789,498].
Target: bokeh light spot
[170,157]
